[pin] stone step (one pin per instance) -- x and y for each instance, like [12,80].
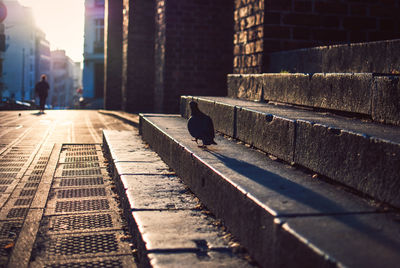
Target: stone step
[368,57]
[170,228]
[360,154]
[282,215]
[373,95]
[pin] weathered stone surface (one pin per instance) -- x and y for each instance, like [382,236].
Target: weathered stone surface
[367,164]
[247,87]
[287,88]
[379,248]
[267,132]
[386,100]
[341,92]
[371,57]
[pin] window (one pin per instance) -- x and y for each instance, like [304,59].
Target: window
[99,28]
[99,3]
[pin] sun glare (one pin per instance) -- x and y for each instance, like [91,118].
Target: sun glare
[63,23]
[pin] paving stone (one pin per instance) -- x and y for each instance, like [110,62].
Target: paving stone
[157,193]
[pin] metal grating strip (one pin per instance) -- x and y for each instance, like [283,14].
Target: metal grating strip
[29,192]
[10,229]
[81,172]
[8,175]
[81,159]
[83,244]
[17,213]
[81,165]
[85,192]
[10,169]
[6,181]
[80,222]
[82,181]
[82,205]
[93,264]
[84,153]
[3,189]
[22,202]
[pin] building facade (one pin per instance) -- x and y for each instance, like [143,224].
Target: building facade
[19,58]
[62,80]
[93,63]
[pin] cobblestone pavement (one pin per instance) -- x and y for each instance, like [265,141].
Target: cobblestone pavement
[58,206]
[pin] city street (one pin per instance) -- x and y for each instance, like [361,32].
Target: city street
[58,203]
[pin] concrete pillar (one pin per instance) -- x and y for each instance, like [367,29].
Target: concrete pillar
[113,54]
[138,55]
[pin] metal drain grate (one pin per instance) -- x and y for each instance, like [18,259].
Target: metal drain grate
[29,192]
[85,192]
[73,147]
[79,153]
[3,189]
[82,205]
[81,172]
[12,164]
[41,163]
[17,213]
[80,222]
[81,159]
[44,158]
[81,165]
[83,244]
[22,202]
[37,172]
[10,169]
[82,181]
[6,181]
[34,178]
[40,167]
[10,229]
[31,185]
[8,175]
[93,264]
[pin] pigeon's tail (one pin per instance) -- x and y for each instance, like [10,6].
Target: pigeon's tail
[213,142]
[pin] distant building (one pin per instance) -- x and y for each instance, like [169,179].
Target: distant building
[19,58]
[2,50]
[62,80]
[93,62]
[43,56]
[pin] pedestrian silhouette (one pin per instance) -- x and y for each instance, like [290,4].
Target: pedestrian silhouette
[42,89]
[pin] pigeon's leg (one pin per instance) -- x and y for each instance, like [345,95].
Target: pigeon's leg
[195,141]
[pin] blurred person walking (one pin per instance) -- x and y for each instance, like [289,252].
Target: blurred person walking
[42,89]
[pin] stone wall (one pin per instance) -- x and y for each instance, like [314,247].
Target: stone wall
[264,26]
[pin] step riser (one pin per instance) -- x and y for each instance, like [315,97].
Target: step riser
[256,229]
[374,96]
[364,163]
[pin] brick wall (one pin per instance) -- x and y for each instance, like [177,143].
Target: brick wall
[292,24]
[193,49]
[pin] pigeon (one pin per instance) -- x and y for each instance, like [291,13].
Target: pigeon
[200,126]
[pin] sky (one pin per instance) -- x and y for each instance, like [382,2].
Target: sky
[63,23]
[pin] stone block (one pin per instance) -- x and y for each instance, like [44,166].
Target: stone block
[247,87]
[342,92]
[267,132]
[287,88]
[386,100]
[367,164]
